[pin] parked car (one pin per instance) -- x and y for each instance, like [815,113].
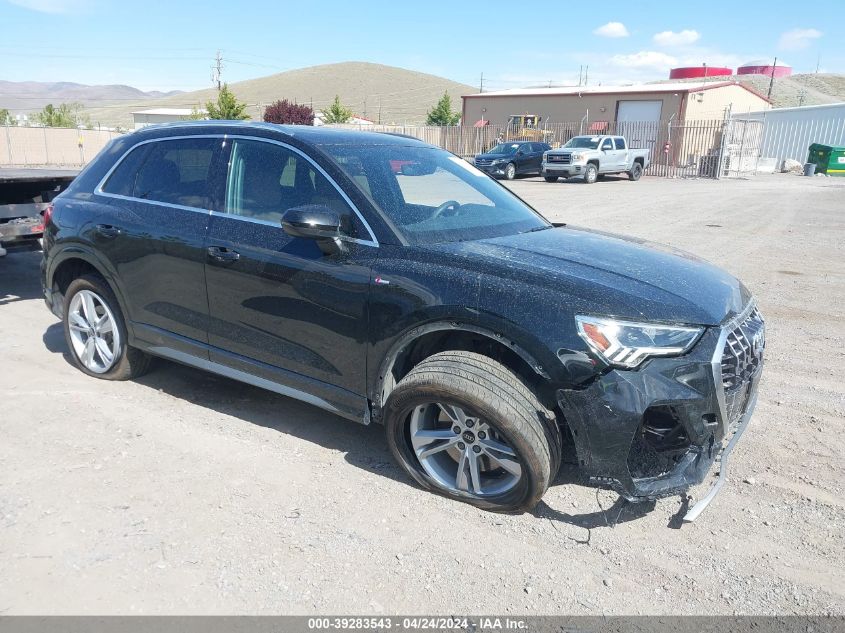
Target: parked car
[512,159]
[593,157]
[429,299]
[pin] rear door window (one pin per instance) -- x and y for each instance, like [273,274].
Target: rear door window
[170,171]
[620,142]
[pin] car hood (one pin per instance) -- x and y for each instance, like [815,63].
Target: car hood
[620,276]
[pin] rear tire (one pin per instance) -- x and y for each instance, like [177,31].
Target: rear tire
[550,178]
[636,172]
[475,395]
[101,351]
[591,174]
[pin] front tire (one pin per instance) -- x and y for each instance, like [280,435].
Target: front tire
[510,171]
[96,332]
[591,174]
[464,426]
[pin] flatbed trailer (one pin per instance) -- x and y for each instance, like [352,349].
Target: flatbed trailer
[24,194]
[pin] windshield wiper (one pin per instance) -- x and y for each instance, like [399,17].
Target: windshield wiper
[537,228]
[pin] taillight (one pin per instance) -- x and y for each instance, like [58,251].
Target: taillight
[45,220]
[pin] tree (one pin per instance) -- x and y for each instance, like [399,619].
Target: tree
[6,117]
[286,112]
[337,112]
[441,114]
[227,107]
[66,115]
[197,114]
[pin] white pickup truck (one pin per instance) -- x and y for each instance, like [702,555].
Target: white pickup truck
[594,156]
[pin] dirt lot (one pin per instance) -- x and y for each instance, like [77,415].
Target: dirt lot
[187,493]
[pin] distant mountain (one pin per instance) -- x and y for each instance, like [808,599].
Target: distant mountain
[30,96]
[373,91]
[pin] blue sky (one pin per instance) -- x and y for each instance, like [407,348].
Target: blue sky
[154,44]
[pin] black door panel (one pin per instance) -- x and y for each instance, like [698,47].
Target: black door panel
[285,303]
[280,300]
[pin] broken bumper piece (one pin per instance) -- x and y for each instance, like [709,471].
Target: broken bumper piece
[659,430]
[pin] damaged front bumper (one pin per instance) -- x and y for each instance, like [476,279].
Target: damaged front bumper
[658,430]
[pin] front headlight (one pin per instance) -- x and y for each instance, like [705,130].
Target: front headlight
[627,344]
[577,157]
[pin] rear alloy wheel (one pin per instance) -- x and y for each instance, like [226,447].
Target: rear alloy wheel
[510,171]
[550,178]
[463,425]
[96,333]
[636,172]
[591,173]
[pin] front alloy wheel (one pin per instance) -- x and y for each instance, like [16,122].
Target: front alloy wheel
[463,425]
[461,452]
[510,171]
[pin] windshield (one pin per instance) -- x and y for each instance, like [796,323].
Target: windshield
[584,142]
[505,148]
[430,195]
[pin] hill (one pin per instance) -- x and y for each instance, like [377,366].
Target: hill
[31,96]
[373,91]
[787,92]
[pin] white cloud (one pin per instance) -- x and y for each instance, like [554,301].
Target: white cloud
[612,29]
[53,6]
[797,39]
[653,60]
[681,38]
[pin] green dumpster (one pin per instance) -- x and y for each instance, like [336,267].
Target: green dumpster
[828,159]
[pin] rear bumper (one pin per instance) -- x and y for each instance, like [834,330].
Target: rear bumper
[21,230]
[660,429]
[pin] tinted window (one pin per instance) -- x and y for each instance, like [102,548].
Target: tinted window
[607,144]
[122,179]
[433,196]
[620,142]
[266,179]
[172,171]
[505,148]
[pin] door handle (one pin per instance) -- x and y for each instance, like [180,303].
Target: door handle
[108,231]
[223,254]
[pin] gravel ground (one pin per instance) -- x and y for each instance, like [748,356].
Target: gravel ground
[187,493]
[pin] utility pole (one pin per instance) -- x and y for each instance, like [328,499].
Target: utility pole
[580,73]
[217,71]
[379,110]
[586,75]
[818,61]
[481,83]
[772,79]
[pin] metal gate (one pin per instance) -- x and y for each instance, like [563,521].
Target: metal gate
[740,149]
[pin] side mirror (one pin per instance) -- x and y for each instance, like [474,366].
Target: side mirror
[312,221]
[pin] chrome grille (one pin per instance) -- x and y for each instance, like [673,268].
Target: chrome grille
[483,162]
[560,158]
[743,352]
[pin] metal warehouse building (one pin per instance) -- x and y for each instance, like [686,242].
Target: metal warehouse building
[612,104]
